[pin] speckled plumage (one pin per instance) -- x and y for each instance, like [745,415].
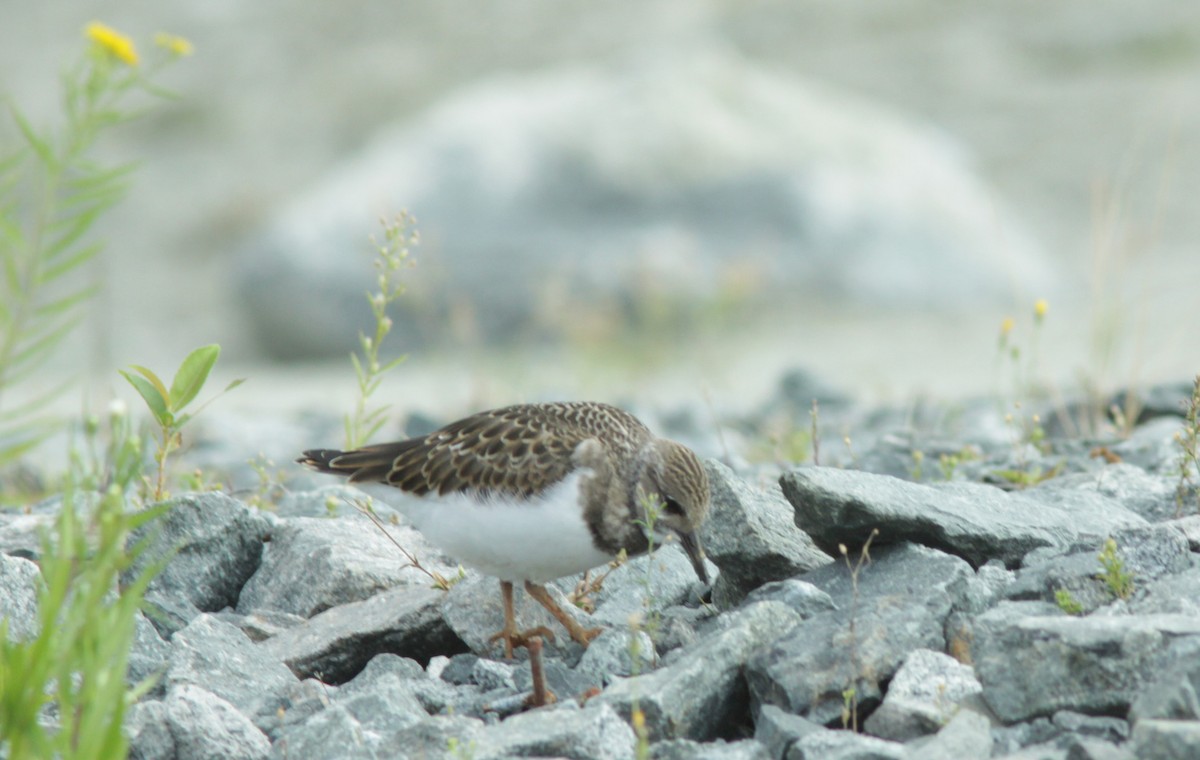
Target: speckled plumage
[593,466]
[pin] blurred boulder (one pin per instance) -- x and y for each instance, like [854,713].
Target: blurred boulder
[652,190]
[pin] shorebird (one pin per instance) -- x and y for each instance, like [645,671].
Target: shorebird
[534,492]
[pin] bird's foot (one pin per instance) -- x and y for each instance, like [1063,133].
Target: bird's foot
[513,638]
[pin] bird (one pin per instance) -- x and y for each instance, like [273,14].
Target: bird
[533,492]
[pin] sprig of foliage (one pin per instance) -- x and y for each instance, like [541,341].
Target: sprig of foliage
[1067,602]
[1189,450]
[1115,577]
[75,667]
[392,256]
[51,194]
[167,404]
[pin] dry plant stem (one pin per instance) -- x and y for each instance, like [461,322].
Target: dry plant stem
[815,414]
[1189,444]
[439,580]
[863,557]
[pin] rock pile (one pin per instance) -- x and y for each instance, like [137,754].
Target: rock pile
[1057,620]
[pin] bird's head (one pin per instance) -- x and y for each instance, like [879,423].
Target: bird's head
[674,486]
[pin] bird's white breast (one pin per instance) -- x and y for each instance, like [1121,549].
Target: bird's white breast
[513,539]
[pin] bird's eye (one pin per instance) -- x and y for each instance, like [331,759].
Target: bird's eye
[672,508]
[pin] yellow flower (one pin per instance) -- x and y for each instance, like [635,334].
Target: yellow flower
[174,44]
[112,42]
[639,721]
[1040,307]
[1007,326]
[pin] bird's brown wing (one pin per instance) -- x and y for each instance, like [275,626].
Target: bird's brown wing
[517,451]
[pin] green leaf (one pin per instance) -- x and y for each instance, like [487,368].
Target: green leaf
[66,303]
[40,146]
[192,374]
[74,226]
[158,384]
[62,267]
[150,394]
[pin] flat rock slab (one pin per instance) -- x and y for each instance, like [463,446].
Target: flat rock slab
[751,536]
[1036,665]
[336,644]
[701,693]
[973,521]
[213,544]
[903,598]
[314,563]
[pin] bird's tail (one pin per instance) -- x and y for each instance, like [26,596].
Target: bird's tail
[366,465]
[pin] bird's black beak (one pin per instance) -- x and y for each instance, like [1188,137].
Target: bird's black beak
[691,544]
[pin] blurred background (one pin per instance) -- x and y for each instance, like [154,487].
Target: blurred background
[671,200]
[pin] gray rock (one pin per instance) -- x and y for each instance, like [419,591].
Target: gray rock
[1166,739]
[388,705]
[1190,527]
[904,597]
[441,737]
[149,654]
[967,735]
[1151,496]
[1032,666]
[261,624]
[987,587]
[1094,749]
[778,730]
[328,500]
[617,653]
[1044,578]
[1147,553]
[803,597]
[460,669]
[827,744]
[19,580]
[1175,693]
[840,198]
[686,749]
[565,682]
[21,534]
[1179,593]
[214,544]
[1038,733]
[975,522]
[312,564]
[206,727]
[332,732]
[149,732]
[220,658]
[924,695]
[751,536]
[1152,445]
[301,701]
[384,667]
[702,693]
[1111,730]
[645,585]
[337,643]
[677,626]
[473,609]
[596,733]
[490,674]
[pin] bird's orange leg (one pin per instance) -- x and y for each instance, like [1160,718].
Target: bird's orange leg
[509,633]
[583,635]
